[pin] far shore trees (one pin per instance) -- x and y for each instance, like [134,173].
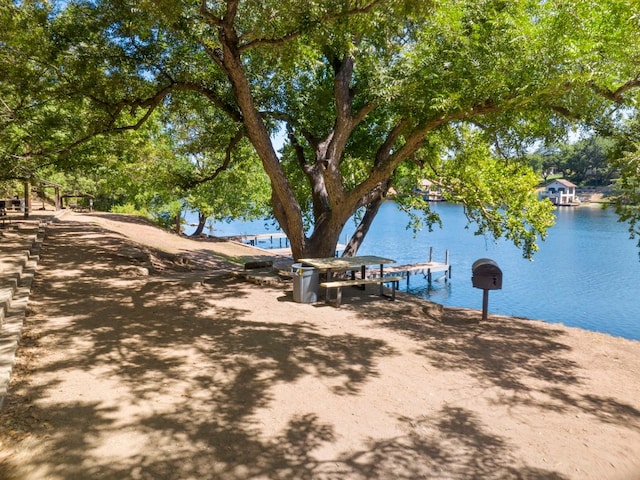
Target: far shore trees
[372,94]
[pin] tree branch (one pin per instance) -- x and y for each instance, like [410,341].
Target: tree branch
[322,19]
[293,124]
[297,148]
[233,142]
[616,95]
[209,17]
[387,161]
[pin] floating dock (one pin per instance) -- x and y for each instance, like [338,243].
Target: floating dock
[277,244]
[274,243]
[429,270]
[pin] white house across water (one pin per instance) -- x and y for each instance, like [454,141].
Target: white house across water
[561,192]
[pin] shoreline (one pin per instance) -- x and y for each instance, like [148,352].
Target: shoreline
[622,326]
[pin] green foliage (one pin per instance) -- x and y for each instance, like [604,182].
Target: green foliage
[626,161]
[585,162]
[373,94]
[130,209]
[239,192]
[498,195]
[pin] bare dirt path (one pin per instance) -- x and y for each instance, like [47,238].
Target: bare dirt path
[131,372]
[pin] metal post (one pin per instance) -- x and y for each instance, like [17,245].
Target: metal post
[485,303]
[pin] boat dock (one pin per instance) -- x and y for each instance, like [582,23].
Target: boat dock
[277,244]
[256,239]
[429,270]
[274,243]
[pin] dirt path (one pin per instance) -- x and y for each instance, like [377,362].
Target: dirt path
[126,372]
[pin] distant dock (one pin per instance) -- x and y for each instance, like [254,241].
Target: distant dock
[256,239]
[274,243]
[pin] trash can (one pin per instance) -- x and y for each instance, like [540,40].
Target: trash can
[305,283]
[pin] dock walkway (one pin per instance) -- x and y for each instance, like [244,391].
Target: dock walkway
[277,244]
[430,270]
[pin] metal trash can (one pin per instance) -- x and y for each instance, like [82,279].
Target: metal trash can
[306,282]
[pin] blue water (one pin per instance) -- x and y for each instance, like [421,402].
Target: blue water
[586,274]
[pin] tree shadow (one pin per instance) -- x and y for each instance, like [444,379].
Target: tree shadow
[194,371]
[452,444]
[530,364]
[163,337]
[190,259]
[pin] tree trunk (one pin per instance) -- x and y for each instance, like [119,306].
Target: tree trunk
[287,210]
[202,219]
[363,228]
[323,241]
[178,224]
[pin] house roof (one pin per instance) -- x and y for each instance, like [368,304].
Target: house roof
[564,182]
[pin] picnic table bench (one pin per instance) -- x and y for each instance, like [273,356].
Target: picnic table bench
[333,265]
[338,284]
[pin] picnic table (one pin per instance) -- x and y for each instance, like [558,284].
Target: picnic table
[332,265]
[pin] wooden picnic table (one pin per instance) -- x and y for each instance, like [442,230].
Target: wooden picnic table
[331,265]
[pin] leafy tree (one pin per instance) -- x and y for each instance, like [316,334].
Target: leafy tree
[220,175]
[52,127]
[41,116]
[22,88]
[587,161]
[626,161]
[628,188]
[362,87]
[544,161]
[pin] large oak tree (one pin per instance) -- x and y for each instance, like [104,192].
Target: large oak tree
[369,92]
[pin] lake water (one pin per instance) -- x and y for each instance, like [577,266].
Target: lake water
[586,274]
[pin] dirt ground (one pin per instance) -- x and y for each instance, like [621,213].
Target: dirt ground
[145,357]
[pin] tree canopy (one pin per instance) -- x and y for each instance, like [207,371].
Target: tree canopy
[372,94]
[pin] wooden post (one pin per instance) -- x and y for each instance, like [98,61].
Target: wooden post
[27,198]
[447,275]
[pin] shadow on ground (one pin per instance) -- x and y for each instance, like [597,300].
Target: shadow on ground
[192,375]
[530,365]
